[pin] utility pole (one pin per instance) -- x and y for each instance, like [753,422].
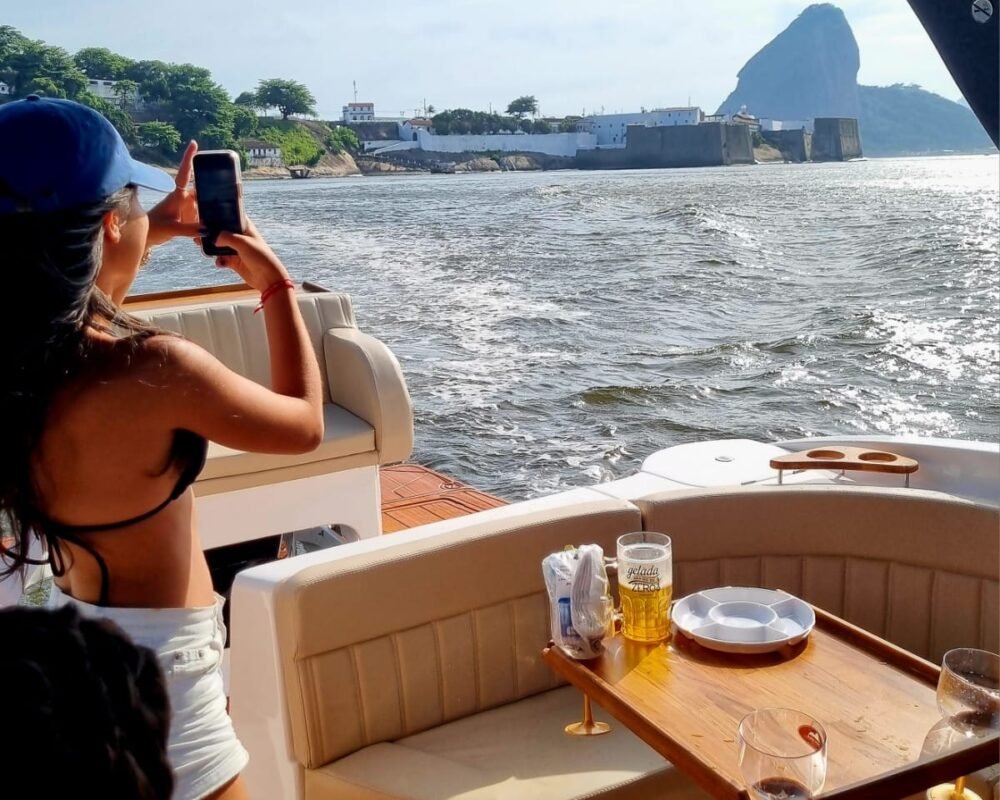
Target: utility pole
[355,91]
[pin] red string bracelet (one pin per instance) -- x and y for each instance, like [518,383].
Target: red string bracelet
[272,290]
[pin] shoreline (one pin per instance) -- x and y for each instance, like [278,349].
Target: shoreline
[282,174]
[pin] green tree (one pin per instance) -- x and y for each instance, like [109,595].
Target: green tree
[442,123]
[122,121]
[430,109]
[289,97]
[526,104]
[246,99]
[11,44]
[216,137]
[525,125]
[541,126]
[154,79]
[244,122]
[32,66]
[99,62]
[197,103]
[161,136]
[343,138]
[126,91]
[44,87]
[568,125]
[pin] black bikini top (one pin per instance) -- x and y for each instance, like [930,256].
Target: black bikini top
[189,450]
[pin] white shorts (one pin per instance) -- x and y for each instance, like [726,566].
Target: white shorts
[202,748]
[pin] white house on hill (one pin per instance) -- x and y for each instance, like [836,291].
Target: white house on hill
[104,89]
[262,154]
[359,112]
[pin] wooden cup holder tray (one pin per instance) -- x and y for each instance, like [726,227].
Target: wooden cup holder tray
[844,458]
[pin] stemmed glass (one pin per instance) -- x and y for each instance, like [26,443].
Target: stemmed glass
[782,754]
[968,697]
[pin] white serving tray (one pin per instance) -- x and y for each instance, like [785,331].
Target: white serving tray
[739,619]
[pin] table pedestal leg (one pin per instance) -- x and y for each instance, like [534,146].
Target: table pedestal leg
[588,726]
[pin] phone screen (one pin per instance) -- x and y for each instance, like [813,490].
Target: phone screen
[218,190]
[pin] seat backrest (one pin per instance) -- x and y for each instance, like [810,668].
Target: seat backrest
[918,568]
[237,337]
[380,645]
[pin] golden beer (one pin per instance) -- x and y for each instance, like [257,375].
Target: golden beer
[645,585]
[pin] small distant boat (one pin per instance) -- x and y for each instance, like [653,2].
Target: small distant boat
[442,168]
[299,172]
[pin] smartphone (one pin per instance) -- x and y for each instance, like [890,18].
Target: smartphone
[219,188]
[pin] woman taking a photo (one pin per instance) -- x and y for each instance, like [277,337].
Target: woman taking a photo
[104,421]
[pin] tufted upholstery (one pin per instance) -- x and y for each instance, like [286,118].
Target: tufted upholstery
[918,568]
[369,418]
[439,630]
[432,686]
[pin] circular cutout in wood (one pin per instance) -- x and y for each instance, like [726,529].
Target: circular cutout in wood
[875,455]
[825,454]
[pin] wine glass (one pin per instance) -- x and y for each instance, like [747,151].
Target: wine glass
[782,754]
[968,697]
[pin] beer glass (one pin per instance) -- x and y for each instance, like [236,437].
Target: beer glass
[645,585]
[782,754]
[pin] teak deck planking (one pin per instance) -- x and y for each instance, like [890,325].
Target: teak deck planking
[876,702]
[414,495]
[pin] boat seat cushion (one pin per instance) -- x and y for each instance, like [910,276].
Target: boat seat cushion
[368,413]
[916,567]
[346,438]
[515,752]
[445,622]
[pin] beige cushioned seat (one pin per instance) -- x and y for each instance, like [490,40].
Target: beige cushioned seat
[434,682]
[367,414]
[344,435]
[514,752]
[916,567]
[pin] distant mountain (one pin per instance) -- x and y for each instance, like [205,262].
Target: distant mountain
[901,120]
[810,70]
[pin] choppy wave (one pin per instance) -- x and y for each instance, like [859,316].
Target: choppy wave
[556,328]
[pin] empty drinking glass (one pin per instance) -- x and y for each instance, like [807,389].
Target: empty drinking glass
[782,754]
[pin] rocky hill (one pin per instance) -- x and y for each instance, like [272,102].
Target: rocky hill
[810,70]
[903,120]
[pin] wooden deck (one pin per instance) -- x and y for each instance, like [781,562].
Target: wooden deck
[414,495]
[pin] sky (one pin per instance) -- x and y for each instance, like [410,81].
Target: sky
[573,55]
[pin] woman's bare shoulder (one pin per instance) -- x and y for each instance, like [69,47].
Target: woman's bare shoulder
[169,354]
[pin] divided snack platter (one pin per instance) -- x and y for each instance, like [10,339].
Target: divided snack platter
[738,619]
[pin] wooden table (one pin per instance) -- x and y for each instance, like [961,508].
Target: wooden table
[876,701]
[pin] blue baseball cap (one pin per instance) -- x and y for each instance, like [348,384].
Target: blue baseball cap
[63,155]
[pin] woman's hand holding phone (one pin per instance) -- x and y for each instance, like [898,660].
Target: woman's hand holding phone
[255,262]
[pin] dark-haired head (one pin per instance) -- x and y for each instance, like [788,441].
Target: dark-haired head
[87,710]
[71,232]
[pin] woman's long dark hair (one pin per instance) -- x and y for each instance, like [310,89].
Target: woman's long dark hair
[48,302]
